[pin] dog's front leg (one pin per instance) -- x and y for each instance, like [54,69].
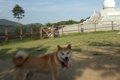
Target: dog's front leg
[29,75]
[55,75]
[19,74]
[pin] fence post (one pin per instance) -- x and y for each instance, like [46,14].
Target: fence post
[112,23]
[78,28]
[95,26]
[21,33]
[62,30]
[82,28]
[119,28]
[31,32]
[40,32]
[6,34]
[52,31]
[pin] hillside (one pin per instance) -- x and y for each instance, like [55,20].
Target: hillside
[7,22]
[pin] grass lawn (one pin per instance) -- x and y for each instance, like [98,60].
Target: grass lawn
[95,56]
[80,42]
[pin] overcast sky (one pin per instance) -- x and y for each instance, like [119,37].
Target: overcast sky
[43,11]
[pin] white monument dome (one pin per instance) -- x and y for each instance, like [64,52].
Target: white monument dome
[107,14]
[109,4]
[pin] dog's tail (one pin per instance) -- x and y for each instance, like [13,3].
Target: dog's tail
[20,58]
[21,54]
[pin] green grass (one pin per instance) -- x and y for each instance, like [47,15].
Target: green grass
[79,41]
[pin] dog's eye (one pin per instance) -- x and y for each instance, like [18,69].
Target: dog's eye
[62,53]
[67,52]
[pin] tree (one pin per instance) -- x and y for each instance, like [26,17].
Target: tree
[49,24]
[82,20]
[18,12]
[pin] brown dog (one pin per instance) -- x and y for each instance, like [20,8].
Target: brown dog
[47,63]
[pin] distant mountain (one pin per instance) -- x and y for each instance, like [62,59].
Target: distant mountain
[7,22]
[11,25]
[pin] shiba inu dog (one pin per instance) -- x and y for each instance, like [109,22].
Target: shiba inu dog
[46,63]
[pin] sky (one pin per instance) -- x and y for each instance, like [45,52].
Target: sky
[44,11]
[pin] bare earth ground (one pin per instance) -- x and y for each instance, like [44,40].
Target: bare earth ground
[100,64]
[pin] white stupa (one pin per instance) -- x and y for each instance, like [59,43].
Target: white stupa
[109,4]
[108,13]
[103,20]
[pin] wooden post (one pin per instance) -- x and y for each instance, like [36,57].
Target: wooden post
[62,30]
[40,32]
[78,28]
[31,32]
[6,34]
[95,26]
[52,31]
[21,34]
[112,23]
[82,28]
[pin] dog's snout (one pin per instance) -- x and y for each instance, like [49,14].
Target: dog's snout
[66,58]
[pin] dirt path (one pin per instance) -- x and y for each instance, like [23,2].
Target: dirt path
[83,67]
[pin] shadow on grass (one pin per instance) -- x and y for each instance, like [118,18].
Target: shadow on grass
[31,51]
[4,54]
[107,64]
[35,50]
[77,50]
[104,43]
[6,63]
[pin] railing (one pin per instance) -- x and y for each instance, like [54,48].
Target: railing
[90,27]
[45,32]
[20,33]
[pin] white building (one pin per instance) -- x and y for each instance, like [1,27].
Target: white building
[107,14]
[110,12]
[106,19]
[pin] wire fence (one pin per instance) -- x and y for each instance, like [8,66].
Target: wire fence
[51,32]
[90,27]
[31,33]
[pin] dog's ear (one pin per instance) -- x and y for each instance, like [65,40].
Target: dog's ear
[69,46]
[59,47]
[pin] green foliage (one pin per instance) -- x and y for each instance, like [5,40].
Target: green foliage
[34,25]
[87,18]
[63,23]
[82,20]
[49,24]
[18,12]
